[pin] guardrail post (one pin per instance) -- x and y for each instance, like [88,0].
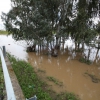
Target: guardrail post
[4,51]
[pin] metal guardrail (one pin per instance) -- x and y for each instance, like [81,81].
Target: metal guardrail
[8,84]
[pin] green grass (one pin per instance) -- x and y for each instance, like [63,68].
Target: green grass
[2,87]
[28,80]
[31,84]
[2,32]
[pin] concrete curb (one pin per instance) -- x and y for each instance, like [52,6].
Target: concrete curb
[17,89]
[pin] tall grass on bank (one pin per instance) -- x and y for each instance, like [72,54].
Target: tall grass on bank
[31,84]
[2,32]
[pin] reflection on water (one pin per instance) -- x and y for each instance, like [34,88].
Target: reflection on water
[71,73]
[15,48]
[65,67]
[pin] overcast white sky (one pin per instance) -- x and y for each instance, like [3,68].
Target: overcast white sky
[5,6]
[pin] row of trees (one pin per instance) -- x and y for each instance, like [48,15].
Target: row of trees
[37,21]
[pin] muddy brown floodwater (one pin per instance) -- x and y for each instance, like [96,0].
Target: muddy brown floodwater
[76,76]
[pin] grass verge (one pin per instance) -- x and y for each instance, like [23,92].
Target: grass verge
[2,86]
[32,85]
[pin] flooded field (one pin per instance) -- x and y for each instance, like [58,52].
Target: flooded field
[77,77]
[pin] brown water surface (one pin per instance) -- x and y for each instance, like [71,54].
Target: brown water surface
[66,67]
[71,73]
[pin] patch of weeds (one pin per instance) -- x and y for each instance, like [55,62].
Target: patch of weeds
[2,86]
[32,84]
[83,60]
[43,71]
[54,80]
[93,78]
[67,96]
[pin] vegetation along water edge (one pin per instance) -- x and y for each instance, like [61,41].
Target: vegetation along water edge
[31,83]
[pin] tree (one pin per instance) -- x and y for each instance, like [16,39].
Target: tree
[38,20]
[82,27]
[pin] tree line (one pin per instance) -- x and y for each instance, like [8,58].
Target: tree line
[37,21]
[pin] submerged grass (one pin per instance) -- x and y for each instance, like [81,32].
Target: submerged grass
[83,60]
[54,80]
[32,85]
[43,71]
[93,77]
